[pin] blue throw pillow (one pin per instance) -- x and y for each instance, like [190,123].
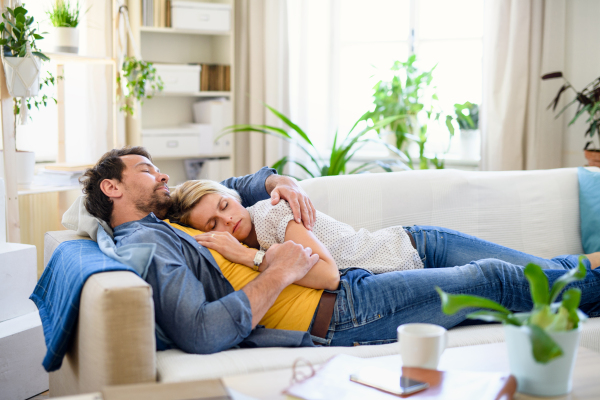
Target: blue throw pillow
[589,209]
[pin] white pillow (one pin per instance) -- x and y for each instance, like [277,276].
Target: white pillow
[77,218]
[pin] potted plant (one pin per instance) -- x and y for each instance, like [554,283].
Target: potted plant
[21,56]
[64,35]
[409,92]
[467,117]
[542,344]
[341,153]
[588,102]
[140,80]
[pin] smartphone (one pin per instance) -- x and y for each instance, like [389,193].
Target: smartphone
[388,381]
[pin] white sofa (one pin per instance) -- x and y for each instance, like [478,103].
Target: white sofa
[532,211]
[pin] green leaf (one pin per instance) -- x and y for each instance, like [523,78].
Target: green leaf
[570,302]
[538,285]
[494,316]
[574,275]
[41,55]
[453,303]
[290,124]
[544,348]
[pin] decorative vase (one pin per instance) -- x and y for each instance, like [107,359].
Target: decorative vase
[63,40]
[593,157]
[22,75]
[551,379]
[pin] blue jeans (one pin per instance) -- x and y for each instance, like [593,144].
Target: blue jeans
[369,307]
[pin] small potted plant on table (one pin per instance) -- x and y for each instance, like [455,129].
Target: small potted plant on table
[64,35]
[588,102]
[542,344]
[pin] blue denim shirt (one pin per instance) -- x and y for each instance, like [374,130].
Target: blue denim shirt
[194,304]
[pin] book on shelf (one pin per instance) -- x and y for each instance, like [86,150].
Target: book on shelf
[215,77]
[156,13]
[332,381]
[70,167]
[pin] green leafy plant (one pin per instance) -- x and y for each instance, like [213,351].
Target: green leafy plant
[38,101]
[141,82]
[409,92]
[467,115]
[545,317]
[588,102]
[64,15]
[341,153]
[17,31]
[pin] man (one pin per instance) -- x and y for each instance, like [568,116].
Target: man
[200,312]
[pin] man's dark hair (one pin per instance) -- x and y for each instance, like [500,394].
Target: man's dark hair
[110,166]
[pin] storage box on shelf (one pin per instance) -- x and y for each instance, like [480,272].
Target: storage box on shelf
[179,78]
[201,16]
[190,140]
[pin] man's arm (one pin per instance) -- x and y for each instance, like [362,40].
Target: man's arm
[266,183]
[195,320]
[285,264]
[252,188]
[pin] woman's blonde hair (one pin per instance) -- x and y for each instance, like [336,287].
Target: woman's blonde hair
[188,194]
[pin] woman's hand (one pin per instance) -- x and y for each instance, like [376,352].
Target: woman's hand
[228,246]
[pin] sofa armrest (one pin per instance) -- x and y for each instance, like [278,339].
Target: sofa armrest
[115,341]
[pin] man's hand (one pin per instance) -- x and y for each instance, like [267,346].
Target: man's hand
[283,187]
[286,263]
[291,259]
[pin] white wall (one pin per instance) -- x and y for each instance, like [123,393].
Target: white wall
[582,65]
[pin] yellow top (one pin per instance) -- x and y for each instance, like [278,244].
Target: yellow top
[295,306]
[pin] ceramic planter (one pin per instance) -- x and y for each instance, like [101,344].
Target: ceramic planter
[22,75]
[551,379]
[25,168]
[593,157]
[62,40]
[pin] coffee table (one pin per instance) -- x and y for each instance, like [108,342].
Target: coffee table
[487,357]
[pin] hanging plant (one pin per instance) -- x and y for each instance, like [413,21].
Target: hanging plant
[141,82]
[38,101]
[21,56]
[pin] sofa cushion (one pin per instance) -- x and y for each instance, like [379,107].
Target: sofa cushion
[532,211]
[589,209]
[177,366]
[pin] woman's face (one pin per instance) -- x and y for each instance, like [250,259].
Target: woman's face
[215,212]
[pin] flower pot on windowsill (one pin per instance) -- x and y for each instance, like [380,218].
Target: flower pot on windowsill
[22,75]
[593,157]
[554,378]
[62,40]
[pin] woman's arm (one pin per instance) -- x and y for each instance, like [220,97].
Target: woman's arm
[324,274]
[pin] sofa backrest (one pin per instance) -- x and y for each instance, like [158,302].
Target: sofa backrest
[532,211]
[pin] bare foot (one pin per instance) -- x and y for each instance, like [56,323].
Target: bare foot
[594,259]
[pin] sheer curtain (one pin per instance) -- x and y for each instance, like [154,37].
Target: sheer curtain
[523,39]
[262,75]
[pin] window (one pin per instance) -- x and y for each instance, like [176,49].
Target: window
[351,43]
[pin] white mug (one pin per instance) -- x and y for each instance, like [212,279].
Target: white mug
[421,345]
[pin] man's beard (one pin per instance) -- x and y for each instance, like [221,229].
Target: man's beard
[158,203]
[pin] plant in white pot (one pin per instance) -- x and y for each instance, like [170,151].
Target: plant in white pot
[542,344]
[63,37]
[22,62]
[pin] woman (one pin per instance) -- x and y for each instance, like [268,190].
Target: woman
[217,210]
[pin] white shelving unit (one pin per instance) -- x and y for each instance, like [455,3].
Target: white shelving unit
[164,110]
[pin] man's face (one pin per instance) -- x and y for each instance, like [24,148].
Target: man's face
[145,186]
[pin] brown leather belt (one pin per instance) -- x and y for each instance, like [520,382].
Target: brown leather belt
[412,239]
[324,313]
